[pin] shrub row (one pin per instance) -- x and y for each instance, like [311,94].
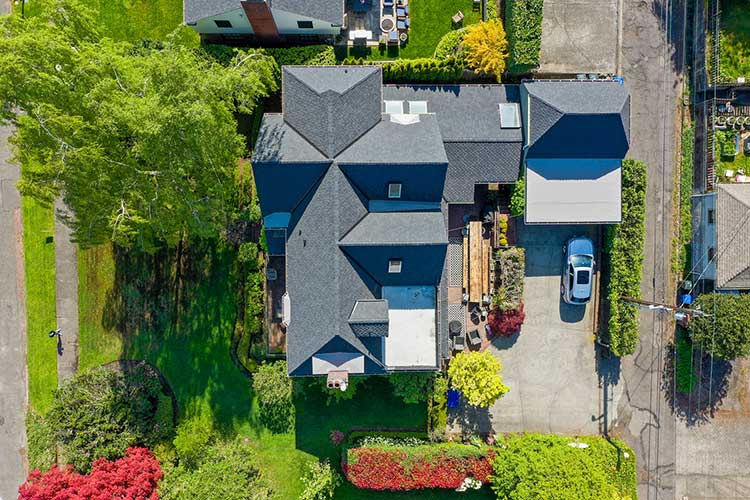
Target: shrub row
[523,19]
[403,468]
[681,251]
[423,70]
[310,55]
[685,375]
[625,243]
[437,408]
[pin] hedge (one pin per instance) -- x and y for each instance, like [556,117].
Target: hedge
[310,55]
[523,22]
[681,252]
[423,70]
[404,468]
[625,245]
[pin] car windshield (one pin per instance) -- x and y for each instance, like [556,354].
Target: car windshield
[583,277]
[580,261]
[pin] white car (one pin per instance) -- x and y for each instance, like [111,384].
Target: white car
[578,271]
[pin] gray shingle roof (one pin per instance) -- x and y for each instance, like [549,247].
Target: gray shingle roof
[470,163]
[392,143]
[733,236]
[578,119]
[331,11]
[370,311]
[331,106]
[398,228]
[279,143]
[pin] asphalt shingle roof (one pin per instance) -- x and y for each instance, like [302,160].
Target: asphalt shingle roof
[279,143]
[471,163]
[370,311]
[733,236]
[325,10]
[398,228]
[195,10]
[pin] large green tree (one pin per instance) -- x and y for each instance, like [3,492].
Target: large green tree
[477,376]
[140,140]
[725,331]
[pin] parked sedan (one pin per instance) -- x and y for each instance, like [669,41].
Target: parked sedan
[578,271]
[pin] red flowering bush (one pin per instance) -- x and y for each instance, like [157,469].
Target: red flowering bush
[506,323]
[406,468]
[132,477]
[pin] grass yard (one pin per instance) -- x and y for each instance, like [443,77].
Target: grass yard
[735,39]
[129,19]
[39,257]
[430,20]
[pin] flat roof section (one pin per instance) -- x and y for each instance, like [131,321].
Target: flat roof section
[411,340]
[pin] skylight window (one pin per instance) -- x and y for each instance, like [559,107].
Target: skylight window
[510,117]
[394,266]
[221,23]
[418,107]
[394,190]
[394,107]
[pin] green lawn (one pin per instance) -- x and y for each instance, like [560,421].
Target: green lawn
[39,257]
[130,19]
[735,39]
[430,20]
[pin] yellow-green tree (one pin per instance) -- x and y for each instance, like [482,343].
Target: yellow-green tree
[486,47]
[476,375]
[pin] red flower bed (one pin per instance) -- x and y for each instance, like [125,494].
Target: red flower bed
[415,468]
[132,477]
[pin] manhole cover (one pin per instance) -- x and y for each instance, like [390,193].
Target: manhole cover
[386,24]
[271,274]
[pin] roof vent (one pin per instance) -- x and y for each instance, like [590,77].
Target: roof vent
[286,308]
[510,117]
[404,119]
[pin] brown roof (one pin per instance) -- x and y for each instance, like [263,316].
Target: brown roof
[733,236]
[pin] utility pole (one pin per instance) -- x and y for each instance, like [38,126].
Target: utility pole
[660,307]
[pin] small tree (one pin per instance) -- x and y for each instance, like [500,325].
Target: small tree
[193,437]
[725,333]
[413,387]
[274,389]
[477,376]
[518,198]
[486,47]
[506,323]
[320,480]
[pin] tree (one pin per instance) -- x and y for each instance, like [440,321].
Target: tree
[274,390]
[132,477]
[193,437]
[476,375]
[725,333]
[486,47]
[518,198]
[321,481]
[506,323]
[412,387]
[228,470]
[101,413]
[141,141]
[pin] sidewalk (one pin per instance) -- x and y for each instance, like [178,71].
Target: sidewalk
[66,292]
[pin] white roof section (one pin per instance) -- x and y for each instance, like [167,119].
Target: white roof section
[411,340]
[563,191]
[338,361]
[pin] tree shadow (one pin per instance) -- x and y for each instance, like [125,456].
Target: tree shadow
[699,405]
[471,420]
[503,343]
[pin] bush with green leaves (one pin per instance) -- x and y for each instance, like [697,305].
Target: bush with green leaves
[450,44]
[308,55]
[273,387]
[541,467]
[317,387]
[226,470]
[194,435]
[40,442]
[420,70]
[518,198]
[625,247]
[320,480]
[476,375]
[681,252]
[248,254]
[685,375]
[412,387]
[509,277]
[437,408]
[725,332]
[523,19]
[726,142]
[101,413]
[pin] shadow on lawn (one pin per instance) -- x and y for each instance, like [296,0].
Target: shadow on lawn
[176,309]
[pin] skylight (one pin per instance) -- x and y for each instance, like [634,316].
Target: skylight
[510,116]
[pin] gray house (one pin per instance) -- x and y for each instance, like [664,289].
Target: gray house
[356,182]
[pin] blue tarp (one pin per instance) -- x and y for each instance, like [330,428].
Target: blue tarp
[453,397]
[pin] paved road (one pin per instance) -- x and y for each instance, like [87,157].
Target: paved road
[641,415]
[12,330]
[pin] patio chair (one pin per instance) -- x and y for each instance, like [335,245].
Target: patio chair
[458,342]
[477,4]
[388,4]
[474,337]
[400,12]
[393,37]
[458,18]
[401,25]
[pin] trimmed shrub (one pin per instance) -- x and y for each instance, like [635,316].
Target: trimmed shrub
[309,55]
[725,333]
[511,267]
[625,244]
[404,468]
[492,9]
[506,323]
[423,70]
[476,375]
[40,441]
[518,198]
[524,21]
[685,376]
[540,467]
[132,477]
[685,233]
[320,480]
[193,437]
[437,408]
[726,142]
[101,413]
[273,387]
[450,44]
[486,47]
[412,387]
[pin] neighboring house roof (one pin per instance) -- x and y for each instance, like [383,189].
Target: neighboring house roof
[478,149]
[325,10]
[578,119]
[733,236]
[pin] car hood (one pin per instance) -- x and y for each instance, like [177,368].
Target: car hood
[581,246]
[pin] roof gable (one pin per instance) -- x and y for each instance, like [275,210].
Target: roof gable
[733,236]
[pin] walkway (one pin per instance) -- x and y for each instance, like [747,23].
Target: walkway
[13,389]
[66,291]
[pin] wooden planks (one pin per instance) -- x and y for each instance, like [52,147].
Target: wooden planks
[466,264]
[486,267]
[475,261]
